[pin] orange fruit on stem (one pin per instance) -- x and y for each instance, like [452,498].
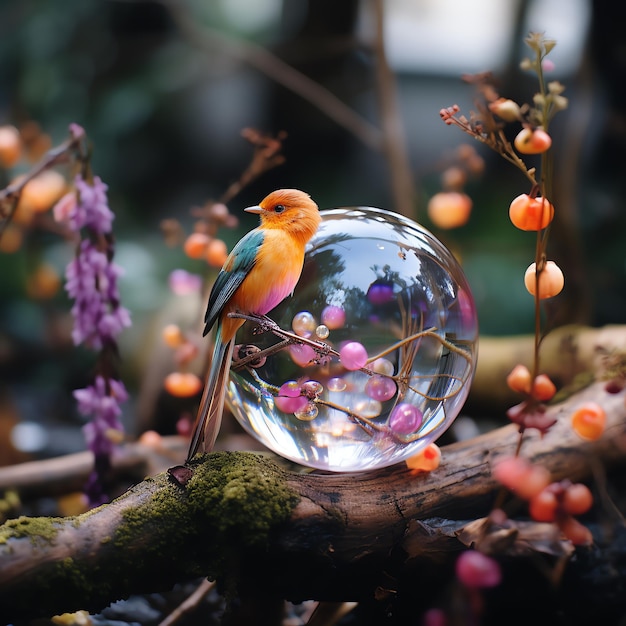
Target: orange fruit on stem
[216,253]
[549,281]
[528,213]
[519,379]
[195,245]
[529,141]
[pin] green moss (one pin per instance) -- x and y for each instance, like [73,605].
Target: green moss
[230,503]
[224,513]
[37,528]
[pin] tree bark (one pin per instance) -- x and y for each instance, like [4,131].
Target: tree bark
[253,525]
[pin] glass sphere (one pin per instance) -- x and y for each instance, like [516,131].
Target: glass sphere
[371,359]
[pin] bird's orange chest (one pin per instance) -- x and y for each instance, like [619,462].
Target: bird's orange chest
[274,276]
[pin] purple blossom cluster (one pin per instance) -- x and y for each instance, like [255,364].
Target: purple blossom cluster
[92,282]
[101,401]
[91,278]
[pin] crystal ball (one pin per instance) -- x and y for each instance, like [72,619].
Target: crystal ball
[372,357]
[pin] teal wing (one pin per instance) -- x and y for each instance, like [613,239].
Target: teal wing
[238,265]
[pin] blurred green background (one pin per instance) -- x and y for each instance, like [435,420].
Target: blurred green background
[164,90]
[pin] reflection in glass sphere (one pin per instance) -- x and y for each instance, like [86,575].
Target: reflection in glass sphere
[372,357]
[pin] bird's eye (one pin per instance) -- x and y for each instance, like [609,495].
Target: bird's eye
[279,208]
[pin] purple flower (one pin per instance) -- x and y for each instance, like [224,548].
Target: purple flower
[91,279]
[101,402]
[92,209]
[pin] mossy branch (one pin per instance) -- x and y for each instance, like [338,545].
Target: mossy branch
[248,522]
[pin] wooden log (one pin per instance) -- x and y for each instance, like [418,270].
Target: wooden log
[250,523]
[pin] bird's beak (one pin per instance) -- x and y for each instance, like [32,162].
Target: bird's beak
[254,209]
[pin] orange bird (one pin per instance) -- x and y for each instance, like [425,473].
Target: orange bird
[260,272]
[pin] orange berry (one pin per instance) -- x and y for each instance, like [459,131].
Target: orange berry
[550,280]
[195,245]
[427,460]
[577,499]
[529,141]
[528,213]
[10,146]
[216,253]
[11,239]
[519,379]
[41,193]
[543,506]
[589,420]
[543,388]
[44,283]
[182,384]
[151,439]
[172,335]
[449,209]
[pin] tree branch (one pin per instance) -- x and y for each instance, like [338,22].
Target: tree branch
[244,520]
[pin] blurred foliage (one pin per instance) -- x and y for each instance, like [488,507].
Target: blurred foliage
[165,114]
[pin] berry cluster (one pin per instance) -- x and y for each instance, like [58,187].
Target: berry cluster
[547,501]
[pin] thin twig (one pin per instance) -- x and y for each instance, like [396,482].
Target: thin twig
[190,603]
[11,195]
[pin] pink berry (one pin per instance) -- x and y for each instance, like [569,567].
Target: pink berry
[405,419]
[353,355]
[477,570]
[380,388]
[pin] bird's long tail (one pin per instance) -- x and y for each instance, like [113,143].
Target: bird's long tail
[211,407]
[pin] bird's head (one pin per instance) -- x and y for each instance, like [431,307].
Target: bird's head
[291,210]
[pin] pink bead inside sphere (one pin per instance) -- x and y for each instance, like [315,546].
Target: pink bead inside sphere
[302,355]
[353,355]
[405,419]
[289,399]
[333,317]
[380,388]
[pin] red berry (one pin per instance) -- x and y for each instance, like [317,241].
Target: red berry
[578,534]
[543,506]
[577,499]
